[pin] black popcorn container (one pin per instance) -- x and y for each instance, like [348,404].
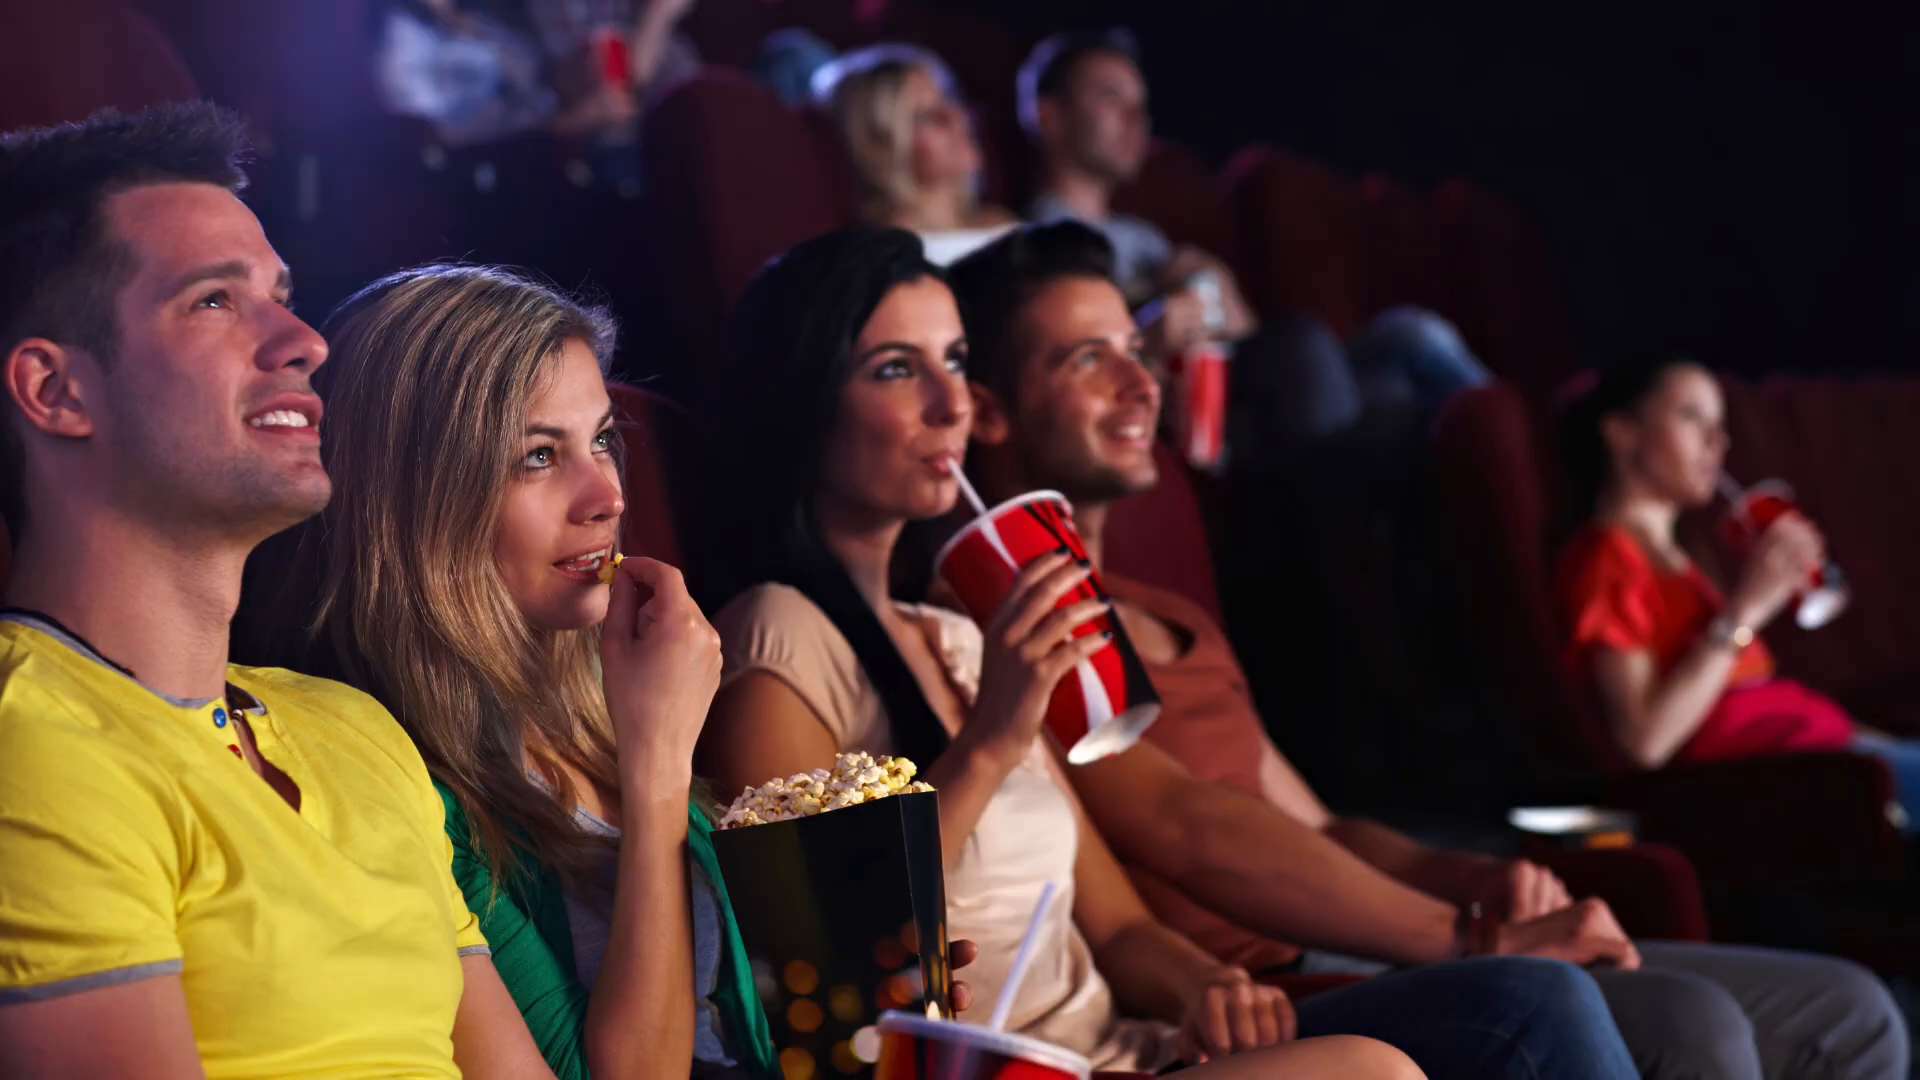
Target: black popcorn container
[833,910]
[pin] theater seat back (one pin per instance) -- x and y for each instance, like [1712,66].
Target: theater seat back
[1835,440]
[650,427]
[61,62]
[1160,537]
[733,177]
[1294,214]
[1494,521]
[1178,192]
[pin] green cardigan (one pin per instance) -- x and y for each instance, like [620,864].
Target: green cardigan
[525,922]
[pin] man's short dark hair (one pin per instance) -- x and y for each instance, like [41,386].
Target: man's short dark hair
[993,285]
[1050,67]
[59,268]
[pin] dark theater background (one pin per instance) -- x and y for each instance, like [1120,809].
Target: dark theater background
[1568,183]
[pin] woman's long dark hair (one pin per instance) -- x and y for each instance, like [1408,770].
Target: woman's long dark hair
[768,415]
[1586,461]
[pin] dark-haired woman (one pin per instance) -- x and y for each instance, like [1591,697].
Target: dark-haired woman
[1677,667]
[843,415]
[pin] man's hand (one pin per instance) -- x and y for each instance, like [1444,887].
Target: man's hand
[1586,933]
[1188,261]
[1180,325]
[1515,890]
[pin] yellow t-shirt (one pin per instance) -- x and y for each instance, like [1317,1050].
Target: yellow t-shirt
[135,843]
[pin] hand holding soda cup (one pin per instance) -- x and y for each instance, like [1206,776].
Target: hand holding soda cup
[1030,646]
[1785,558]
[1102,702]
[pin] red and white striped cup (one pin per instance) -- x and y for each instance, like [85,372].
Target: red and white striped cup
[919,1048]
[1106,702]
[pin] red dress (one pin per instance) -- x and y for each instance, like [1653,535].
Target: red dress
[1614,597]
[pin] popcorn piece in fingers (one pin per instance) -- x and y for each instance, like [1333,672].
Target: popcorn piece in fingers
[607,568]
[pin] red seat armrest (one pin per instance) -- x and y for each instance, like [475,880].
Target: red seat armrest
[1775,822]
[1651,887]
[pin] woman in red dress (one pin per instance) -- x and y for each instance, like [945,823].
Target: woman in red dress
[1677,667]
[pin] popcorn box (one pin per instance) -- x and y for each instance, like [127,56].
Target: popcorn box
[832,908]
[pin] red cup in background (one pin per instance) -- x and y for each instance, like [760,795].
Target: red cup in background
[1200,406]
[1107,701]
[1758,507]
[611,50]
[918,1048]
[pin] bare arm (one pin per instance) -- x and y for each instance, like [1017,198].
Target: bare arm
[133,1030]
[660,663]
[1457,877]
[763,729]
[652,30]
[639,1019]
[490,1040]
[1257,864]
[1156,971]
[1148,965]
[1652,717]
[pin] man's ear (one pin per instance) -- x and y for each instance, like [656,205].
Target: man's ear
[1049,120]
[992,426]
[44,380]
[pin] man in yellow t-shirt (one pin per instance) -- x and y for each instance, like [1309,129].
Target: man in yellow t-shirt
[204,870]
[137,843]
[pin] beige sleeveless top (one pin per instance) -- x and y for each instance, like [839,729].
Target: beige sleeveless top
[1027,837]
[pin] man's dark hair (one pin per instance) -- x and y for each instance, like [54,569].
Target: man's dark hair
[59,267]
[1050,67]
[994,284]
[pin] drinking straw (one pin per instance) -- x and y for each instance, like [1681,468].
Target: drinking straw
[1734,494]
[966,488]
[1003,1009]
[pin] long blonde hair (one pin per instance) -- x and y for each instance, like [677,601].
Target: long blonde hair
[431,375]
[861,93]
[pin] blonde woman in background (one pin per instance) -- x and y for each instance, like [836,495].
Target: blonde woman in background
[910,144]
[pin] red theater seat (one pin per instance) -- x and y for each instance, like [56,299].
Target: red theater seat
[62,62]
[1178,192]
[1293,214]
[1398,248]
[1161,537]
[1503,292]
[649,426]
[1838,442]
[733,177]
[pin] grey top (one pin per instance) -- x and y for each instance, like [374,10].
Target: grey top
[588,922]
[1140,249]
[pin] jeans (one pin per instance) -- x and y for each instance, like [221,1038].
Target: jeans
[1903,757]
[1294,381]
[1492,1018]
[1723,1012]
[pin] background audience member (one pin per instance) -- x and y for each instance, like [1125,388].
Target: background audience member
[787,61]
[558,717]
[1043,423]
[848,410]
[1084,100]
[205,869]
[1677,669]
[582,71]
[916,163]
